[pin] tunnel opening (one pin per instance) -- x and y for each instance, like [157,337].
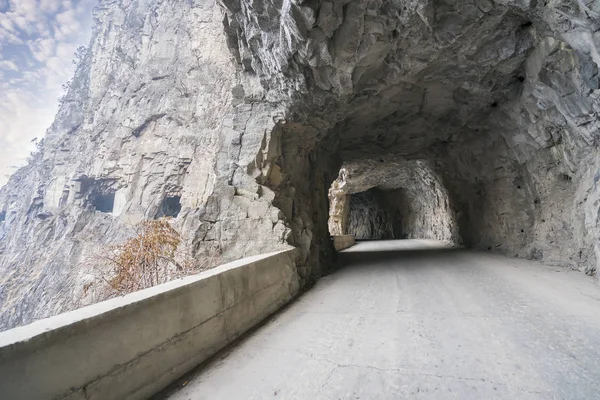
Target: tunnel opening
[64,198]
[369,219]
[98,193]
[103,202]
[170,207]
[464,124]
[399,199]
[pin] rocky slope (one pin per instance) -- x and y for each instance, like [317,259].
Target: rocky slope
[236,117]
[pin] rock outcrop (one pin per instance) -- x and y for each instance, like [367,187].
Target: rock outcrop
[235,118]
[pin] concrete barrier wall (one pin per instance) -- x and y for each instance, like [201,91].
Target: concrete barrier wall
[133,346]
[342,242]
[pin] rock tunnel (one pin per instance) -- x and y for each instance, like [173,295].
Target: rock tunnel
[274,123]
[391,200]
[471,123]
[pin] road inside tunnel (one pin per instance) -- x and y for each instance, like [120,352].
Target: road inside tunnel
[418,319]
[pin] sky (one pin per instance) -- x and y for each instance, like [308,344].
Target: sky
[38,39]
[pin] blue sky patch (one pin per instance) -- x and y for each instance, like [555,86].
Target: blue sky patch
[37,41]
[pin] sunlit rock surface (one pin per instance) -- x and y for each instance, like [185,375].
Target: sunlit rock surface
[236,117]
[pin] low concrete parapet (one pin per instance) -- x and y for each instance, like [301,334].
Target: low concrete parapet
[133,346]
[343,242]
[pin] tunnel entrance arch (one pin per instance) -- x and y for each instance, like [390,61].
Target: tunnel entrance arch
[391,200]
[455,87]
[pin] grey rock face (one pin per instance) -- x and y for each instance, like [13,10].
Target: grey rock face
[392,198]
[242,113]
[368,218]
[155,114]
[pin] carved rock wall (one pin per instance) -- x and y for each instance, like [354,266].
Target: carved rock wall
[392,198]
[158,110]
[243,113]
[368,218]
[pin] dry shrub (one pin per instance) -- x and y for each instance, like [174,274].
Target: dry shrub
[147,259]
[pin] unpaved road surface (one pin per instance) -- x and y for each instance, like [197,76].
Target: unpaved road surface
[410,319]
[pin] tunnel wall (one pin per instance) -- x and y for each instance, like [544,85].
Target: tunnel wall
[409,201]
[300,177]
[369,217]
[423,215]
[536,210]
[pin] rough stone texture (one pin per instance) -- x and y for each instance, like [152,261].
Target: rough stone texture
[343,242]
[391,198]
[369,219]
[247,111]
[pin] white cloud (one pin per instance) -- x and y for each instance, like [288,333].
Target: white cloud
[50,6]
[66,24]
[42,49]
[24,117]
[37,42]
[8,65]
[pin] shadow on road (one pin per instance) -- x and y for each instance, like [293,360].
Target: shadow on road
[384,251]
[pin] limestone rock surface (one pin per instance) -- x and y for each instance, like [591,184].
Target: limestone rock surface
[235,118]
[392,198]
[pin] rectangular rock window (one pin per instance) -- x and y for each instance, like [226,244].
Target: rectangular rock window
[171,207]
[64,198]
[104,202]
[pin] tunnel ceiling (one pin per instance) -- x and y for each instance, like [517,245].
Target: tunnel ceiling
[499,98]
[437,80]
[385,173]
[412,77]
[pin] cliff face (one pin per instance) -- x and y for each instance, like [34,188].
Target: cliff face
[155,116]
[236,117]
